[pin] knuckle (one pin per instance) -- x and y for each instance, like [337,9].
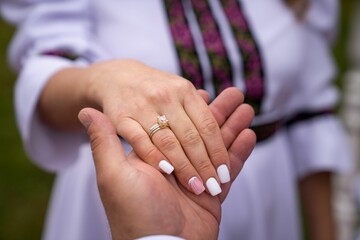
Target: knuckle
[138,138]
[182,167]
[157,95]
[203,166]
[176,87]
[219,154]
[150,153]
[167,143]
[183,171]
[191,137]
[208,126]
[182,85]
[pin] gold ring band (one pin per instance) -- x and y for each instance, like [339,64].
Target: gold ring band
[154,129]
[162,123]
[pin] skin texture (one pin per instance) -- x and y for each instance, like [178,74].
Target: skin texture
[299,7]
[139,200]
[316,195]
[132,95]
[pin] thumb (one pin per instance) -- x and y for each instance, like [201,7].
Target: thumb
[106,147]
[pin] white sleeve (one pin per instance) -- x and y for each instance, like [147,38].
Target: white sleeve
[319,143]
[160,237]
[47,25]
[323,16]
[315,89]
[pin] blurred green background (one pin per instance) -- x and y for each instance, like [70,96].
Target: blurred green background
[25,189]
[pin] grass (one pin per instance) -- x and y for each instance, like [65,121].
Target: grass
[25,189]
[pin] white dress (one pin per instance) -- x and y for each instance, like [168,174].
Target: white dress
[262,203]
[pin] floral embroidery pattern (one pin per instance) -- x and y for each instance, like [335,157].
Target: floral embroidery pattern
[184,43]
[221,68]
[252,62]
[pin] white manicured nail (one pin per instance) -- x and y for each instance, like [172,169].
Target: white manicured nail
[166,166]
[213,186]
[223,173]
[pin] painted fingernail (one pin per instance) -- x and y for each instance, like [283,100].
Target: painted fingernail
[223,173]
[196,185]
[213,186]
[166,166]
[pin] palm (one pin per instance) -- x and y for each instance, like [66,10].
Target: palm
[184,210]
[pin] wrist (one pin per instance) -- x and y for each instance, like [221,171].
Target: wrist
[90,89]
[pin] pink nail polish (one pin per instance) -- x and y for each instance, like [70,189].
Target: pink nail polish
[196,185]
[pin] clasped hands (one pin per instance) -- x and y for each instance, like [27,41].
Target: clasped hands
[133,95]
[138,198]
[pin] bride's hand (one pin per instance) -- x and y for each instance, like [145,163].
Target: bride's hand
[133,95]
